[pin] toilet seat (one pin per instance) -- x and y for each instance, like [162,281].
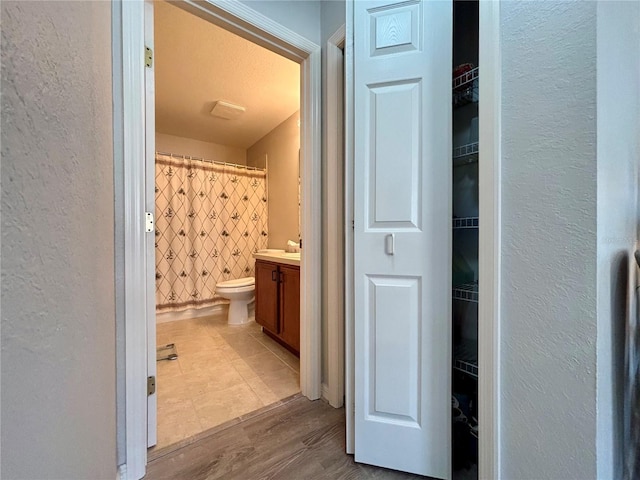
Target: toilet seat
[222,290]
[238,282]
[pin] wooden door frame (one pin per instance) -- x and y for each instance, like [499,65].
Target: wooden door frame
[489,237]
[129,124]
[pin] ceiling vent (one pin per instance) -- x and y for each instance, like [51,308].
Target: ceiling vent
[225,110]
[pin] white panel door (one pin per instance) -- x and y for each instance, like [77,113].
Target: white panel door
[150,206]
[402,234]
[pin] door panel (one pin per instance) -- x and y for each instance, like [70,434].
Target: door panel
[290,306]
[393,161]
[150,206]
[267,295]
[393,309]
[402,234]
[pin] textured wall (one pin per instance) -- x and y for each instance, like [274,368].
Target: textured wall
[58,329]
[548,295]
[281,147]
[618,169]
[195,148]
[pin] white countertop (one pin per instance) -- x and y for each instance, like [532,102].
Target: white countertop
[279,257]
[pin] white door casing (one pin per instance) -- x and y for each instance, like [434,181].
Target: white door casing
[349,294]
[490,128]
[334,220]
[402,236]
[129,115]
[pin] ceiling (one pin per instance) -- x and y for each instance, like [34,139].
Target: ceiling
[197,63]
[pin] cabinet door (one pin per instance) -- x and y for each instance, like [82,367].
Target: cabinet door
[267,295]
[290,306]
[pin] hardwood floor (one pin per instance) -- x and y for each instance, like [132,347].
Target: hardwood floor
[299,439]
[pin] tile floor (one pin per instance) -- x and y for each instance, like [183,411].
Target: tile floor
[222,372]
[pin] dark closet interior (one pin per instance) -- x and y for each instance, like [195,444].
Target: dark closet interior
[464,396]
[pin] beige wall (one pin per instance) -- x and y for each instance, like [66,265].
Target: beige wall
[195,148]
[281,148]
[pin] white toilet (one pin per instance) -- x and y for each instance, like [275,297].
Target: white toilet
[240,293]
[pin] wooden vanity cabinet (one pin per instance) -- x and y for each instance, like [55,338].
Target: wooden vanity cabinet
[278,302]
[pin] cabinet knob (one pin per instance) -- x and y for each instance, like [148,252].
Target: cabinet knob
[273,275]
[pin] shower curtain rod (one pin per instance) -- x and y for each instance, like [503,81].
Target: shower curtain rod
[188,157]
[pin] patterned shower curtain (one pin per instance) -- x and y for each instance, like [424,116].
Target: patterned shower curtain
[210,219]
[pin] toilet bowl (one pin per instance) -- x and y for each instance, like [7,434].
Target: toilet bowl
[240,293]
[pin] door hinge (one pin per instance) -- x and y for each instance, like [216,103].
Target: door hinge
[151,386]
[148,57]
[148,222]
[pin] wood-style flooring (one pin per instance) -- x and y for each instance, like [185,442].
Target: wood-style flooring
[298,439]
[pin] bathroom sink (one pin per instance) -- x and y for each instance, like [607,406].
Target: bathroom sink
[271,250]
[278,256]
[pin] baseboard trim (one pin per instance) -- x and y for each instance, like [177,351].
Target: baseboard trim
[121,474]
[325,392]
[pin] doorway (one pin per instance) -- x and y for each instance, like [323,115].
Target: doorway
[227,139]
[130,31]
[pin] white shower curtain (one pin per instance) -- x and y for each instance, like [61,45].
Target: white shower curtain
[210,219]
